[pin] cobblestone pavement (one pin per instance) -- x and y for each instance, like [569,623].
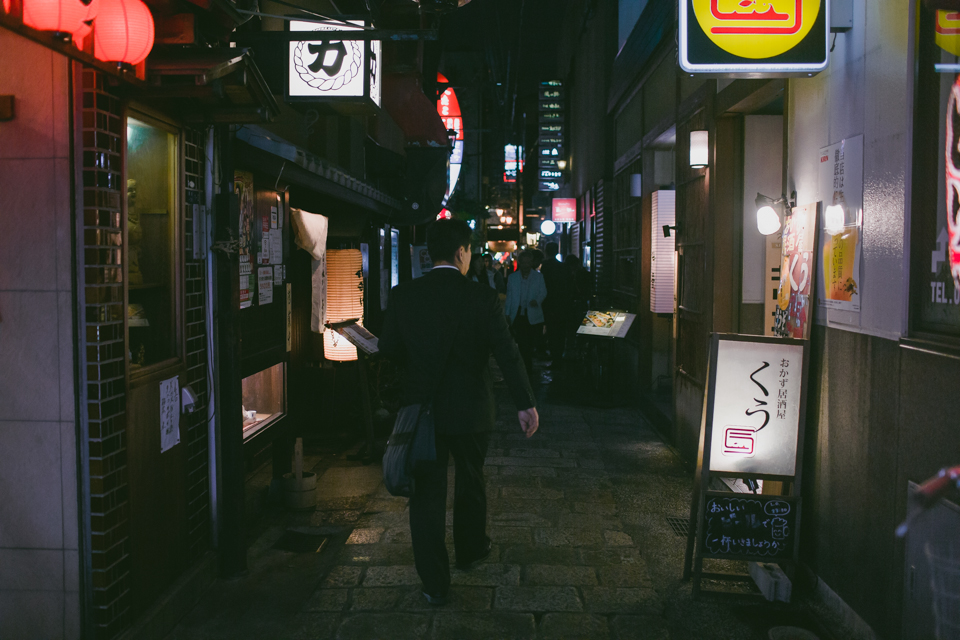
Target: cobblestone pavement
[581,549]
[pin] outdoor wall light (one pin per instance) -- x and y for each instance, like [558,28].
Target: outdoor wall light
[548,227]
[768,212]
[561,164]
[833,219]
[699,149]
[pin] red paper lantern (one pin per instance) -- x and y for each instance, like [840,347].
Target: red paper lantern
[123,31]
[64,16]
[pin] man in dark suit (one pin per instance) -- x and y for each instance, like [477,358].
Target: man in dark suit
[442,328]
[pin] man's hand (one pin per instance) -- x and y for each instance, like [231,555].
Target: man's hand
[529,420]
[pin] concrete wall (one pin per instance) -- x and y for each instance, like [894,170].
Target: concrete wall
[39,559]
[879,414]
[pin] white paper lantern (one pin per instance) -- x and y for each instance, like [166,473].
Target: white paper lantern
[662,256]
[699,149]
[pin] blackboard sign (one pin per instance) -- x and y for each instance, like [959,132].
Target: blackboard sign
[749,526]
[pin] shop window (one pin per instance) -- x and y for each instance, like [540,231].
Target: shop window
[935,211]
[152,247]
[263,399]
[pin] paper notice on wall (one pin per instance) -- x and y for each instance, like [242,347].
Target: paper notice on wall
[289,317]
[243,188]
[169,413]
[265,284]
[841,229]
[276,247]
[278,275]
[273,217]
[245,291]
[265,240]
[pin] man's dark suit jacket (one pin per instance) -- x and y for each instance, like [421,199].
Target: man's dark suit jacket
[441,311]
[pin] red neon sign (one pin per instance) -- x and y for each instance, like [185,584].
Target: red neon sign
[449,108]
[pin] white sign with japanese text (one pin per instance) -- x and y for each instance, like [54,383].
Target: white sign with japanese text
[756,408]
[169,413]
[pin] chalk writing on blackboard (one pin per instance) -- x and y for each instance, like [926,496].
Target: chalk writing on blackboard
[749,526]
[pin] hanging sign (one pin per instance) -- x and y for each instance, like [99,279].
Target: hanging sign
[344,72]
[754,38]
[564,210]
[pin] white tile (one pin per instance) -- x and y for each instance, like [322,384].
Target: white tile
[33,615]
[64,225]
[31,511]
[60,89]
[71,500]
[29,356]
[28,244]
[71,570]
[31,569]
[27,73]
[71,615]
[67,392]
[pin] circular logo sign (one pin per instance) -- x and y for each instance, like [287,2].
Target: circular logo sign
[756,29]
[328,65]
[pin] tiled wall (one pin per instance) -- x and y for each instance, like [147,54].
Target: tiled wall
[39,561]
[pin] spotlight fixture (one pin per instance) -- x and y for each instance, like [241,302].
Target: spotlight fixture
[561,164]
[769,210]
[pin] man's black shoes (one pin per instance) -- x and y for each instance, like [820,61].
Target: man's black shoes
[466,565]
[436,601]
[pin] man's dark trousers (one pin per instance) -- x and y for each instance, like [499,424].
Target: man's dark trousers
[428,509]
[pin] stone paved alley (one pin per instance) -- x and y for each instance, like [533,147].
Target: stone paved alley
[582,548]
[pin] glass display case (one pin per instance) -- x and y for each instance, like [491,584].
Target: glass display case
[152,248]
[264,398]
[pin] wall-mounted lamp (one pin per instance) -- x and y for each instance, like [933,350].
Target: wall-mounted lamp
[768,212]
[699,149]
[636,185]
[548,228]
[561,164]
[667,229]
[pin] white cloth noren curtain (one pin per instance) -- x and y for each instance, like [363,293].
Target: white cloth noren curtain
[310,232]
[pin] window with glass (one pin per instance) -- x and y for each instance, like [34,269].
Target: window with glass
[152,247]
[263,399]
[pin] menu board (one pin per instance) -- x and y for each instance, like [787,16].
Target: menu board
[745,525]
[609,324]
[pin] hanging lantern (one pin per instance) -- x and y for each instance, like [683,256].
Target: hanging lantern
[344,300]
[62,16]
[123,31]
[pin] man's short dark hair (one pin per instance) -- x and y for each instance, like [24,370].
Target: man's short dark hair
[552,249]
[444,237]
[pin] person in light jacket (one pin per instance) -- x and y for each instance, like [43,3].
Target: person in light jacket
[524,308]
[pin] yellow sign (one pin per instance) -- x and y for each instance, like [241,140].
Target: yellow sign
[757,29]
[948,31]
[839,259]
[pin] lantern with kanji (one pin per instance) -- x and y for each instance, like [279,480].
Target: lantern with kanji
[123,31]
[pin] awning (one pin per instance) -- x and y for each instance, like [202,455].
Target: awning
[210,86]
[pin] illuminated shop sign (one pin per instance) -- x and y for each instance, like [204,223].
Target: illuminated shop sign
[564,210]
[335,71]
[550,141]
[512,162]
[448,106]
[775,38]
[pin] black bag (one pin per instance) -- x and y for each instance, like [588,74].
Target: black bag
[412,441]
